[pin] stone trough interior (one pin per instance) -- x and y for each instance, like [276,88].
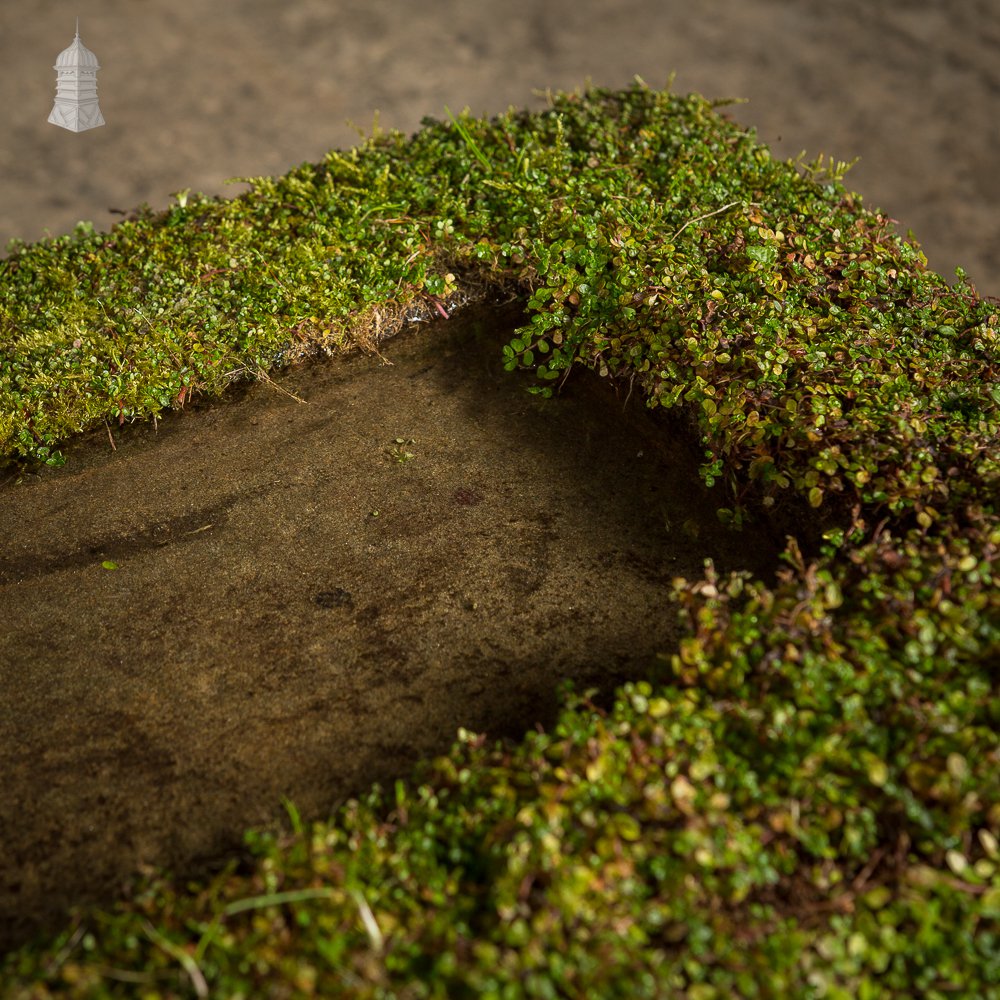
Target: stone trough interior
[319,579]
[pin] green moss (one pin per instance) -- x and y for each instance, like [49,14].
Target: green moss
[805,802]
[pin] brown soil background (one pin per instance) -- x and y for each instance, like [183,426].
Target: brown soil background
[267,633]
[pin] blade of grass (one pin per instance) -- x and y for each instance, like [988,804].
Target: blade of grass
[189,964]
[275,899]
[469,141]
[368,919]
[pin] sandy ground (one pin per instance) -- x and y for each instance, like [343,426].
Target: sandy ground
[266,633]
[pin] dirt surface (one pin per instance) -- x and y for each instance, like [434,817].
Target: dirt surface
[265,633]
[296,612]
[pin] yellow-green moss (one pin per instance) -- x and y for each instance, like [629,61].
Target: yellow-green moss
[805,803]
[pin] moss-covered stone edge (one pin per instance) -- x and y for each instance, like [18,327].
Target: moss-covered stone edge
[804,800]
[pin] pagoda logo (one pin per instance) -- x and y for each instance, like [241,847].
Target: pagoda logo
[76,106]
